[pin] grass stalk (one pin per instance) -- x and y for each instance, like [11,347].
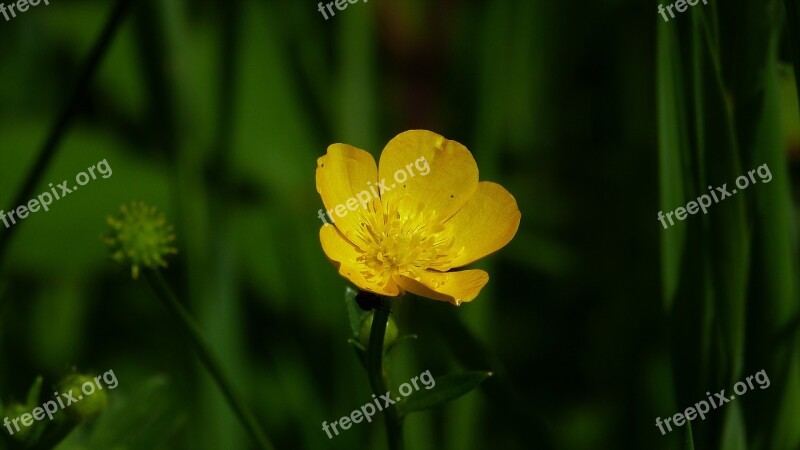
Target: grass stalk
[67,115]
[207,357]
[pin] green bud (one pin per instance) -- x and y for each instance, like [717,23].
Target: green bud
[140,237]
[366,326]
[90,399]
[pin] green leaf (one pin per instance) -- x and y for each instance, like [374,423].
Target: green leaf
[775,270]
[353,312]
[34,392]
[449,387]
[688,440]
[733,432]
[142,416]
[673,151]
[357,344]
[361,351]
[402,339]
[728,235]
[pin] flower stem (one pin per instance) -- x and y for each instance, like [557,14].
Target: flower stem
[203,350]
[376,370]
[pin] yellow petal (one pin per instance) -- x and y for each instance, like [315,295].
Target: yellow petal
[444,172]
[343,254]
[453,287]
[487,222]
[344,176]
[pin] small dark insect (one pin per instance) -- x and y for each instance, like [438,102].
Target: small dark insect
[367,300]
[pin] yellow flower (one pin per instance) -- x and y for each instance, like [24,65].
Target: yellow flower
[403,226]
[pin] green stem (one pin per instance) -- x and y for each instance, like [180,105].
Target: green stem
[377,373]
[64,119]
[203,349]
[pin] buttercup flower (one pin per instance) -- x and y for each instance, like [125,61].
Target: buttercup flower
[397,229]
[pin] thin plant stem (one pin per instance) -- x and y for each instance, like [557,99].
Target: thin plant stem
[376,370]
[204,352]
[66,116]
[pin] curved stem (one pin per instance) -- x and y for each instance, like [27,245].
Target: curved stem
[204,352]
[67,114]
[377,373]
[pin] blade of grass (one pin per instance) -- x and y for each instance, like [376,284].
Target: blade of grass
[687,290]
[733,431]
[688,441]
[774,272]
[728,234]
[208,358]
[221,311]
[673,146]
[67,115]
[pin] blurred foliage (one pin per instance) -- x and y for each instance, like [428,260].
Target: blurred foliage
[594,115]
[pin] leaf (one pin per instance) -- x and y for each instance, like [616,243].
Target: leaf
[774,268]
[449,387]
[357,344]
[673,150]
[725,234]
[353,312]
[143,416]
[733,433]
[402,339]
[688,440]
[34,392]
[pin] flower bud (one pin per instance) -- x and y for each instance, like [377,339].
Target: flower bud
[89,398]
[366,327]
[141,237]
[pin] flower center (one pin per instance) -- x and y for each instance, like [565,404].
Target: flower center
[398,239]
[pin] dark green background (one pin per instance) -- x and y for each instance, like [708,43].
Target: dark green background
[594,115]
